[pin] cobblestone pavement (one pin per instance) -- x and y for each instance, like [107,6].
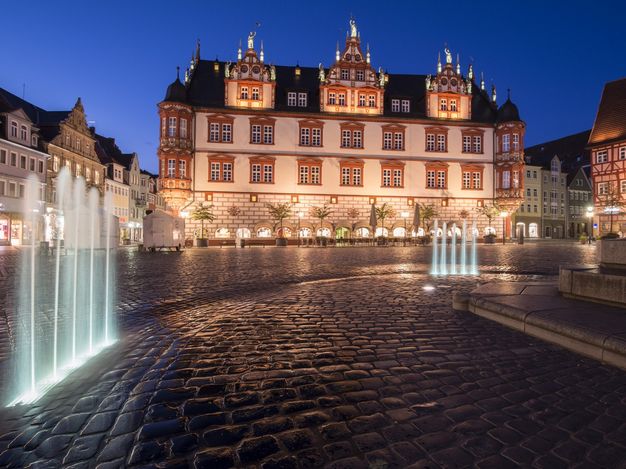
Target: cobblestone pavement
[338,358]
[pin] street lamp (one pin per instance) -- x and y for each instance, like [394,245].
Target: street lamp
[404,215]
[504,214]
[590,216]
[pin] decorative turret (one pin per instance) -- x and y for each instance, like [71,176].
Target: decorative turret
[509,167]
[448,93]
[352,85]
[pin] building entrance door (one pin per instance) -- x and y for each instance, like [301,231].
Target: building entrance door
[5,227]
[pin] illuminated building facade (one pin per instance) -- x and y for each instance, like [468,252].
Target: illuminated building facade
[240,134]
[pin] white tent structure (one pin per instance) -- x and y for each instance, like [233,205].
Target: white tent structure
[163,231]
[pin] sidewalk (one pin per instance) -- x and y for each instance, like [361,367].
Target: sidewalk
[594,330]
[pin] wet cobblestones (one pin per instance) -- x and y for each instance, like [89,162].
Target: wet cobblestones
[271,358]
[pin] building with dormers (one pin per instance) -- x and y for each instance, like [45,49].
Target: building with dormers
[240,134]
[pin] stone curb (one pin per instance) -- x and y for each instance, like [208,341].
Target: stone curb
[590,329]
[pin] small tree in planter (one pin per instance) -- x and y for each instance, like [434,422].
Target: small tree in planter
[353,216]
[321,213]
[491,212]
[203,213]
[278,212]
[382,213]
[428,214]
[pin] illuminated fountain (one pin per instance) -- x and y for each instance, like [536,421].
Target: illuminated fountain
[440,264]
[65,303]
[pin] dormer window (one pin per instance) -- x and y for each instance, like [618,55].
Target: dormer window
[345,74]
[14,129]
[255,93]
[302,99]
[244,92]
[34,140]
[406,105]
[332,98]
[360,75]
[443,104]
[24,133]
[395,105]
[291,98]
[453,105]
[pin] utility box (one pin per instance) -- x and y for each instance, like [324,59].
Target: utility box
[163,231]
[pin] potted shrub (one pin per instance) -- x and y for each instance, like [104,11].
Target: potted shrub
[321,213]
[203,213]
[382,213]
[278,212]
[491,212]
[584,239]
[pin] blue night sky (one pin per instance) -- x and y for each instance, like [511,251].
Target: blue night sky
[120,56]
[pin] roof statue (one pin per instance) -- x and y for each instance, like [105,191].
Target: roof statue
[353,31]
[251,39]
[470,72]
[227,70]
[322,74]
[381,77]
[273,73]
[428,82]
[448,56]
[493,93]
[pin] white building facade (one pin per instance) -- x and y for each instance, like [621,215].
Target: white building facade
[240,135]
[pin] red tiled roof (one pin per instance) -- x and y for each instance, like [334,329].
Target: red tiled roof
[610,124]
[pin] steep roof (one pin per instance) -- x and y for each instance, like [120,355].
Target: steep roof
[610,123]
[570,150]
[206,89]
[108,151]
[508,112]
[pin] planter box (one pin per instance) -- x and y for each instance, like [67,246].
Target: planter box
[202,242]
[281,242]
[612,253]
[489,239]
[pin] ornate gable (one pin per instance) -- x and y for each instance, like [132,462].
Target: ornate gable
[449,94]
[249,82]
[351,85]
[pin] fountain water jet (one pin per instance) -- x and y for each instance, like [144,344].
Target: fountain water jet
[443,267]
[439,259]
[434,270]
[53,339]
[464,248]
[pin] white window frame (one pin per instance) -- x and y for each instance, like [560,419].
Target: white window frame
[291,98]
[395,105]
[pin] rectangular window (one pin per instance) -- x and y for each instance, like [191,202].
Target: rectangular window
[304,174]
[183,128]
[171,168]
[332,98]
[397,177]
[268,134]
[357,139]
[342,99]
[476,180]
[602,156]
[528,173]
[356,176]
[23,132]
[255,93]
[182,168]
[430,142]
[386,177]
[387,140]
[316,139]
[443,104]
[406,105]
[268,173]
[478,144]
[441,179]
[14,129]
[362,100]
[171,127]
[256,172]
[215,171]
[346,138]
[23,161]
[603,188]
[227,133]
[622,153]
[244,92]
[345,74]
[372,100]
[291,98]
[302,99]
[305,136]
[214,132]
[467,144]
[345,176]
[360,75]
[516,179]
[506,143]
[430,179]
[453,105]
[256,134]
[395,105]
[441,142]
[398,141]
[466,180]
[316,174]
[3,156]
[31,164]
[227,172]
[41,166]
[506,180]
[515,142]
[622,187]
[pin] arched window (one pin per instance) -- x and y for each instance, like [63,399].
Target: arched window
[305,232]
[222,233]
[323,232]
[490,230]
[399,232]
[380,231]
[264,232]
[362,232]
[243,233]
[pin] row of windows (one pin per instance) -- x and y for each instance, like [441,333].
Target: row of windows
[23,133]
[117,190]
[603,187]
[78,169]
[23,162]
[222,132]
[310,173]
[169,127]
[171,168]
[602,156]
[76,144]
[506,143]
[9,188]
